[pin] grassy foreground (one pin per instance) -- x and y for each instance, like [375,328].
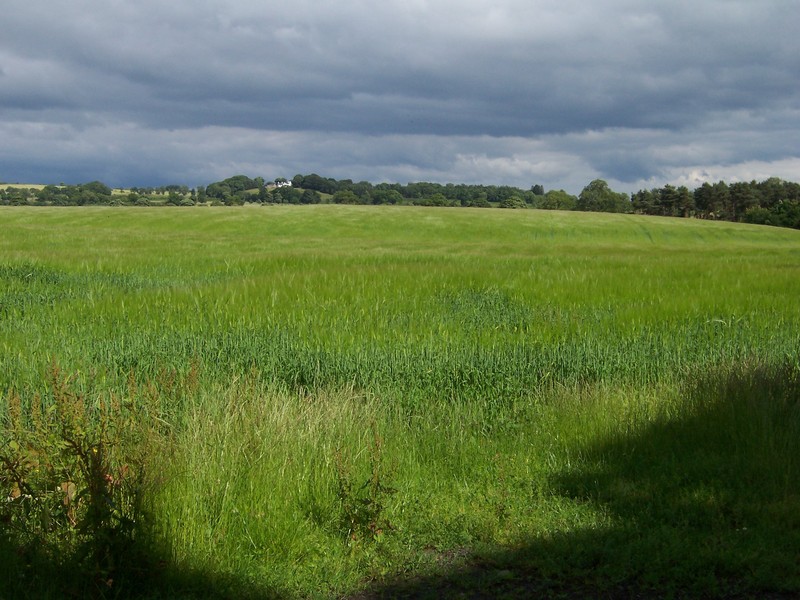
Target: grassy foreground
[329,400]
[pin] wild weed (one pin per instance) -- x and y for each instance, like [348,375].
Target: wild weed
[363,506]
[73,477]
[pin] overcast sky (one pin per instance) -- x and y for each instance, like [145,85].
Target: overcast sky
[518,92]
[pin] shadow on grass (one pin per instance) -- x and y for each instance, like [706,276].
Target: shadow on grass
[140,572]
[705,505]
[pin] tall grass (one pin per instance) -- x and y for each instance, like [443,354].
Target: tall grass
[344,394]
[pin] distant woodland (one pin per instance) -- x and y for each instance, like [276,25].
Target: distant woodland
[769,202]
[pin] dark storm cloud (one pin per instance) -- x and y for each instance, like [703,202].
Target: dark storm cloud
[456,90]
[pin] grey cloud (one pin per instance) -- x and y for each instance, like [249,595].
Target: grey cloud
[603,86]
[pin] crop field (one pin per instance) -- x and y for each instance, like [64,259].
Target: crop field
[334,401]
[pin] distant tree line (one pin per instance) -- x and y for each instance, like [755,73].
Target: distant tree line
[241,189]
[94,192]
[345,191]
[770,202]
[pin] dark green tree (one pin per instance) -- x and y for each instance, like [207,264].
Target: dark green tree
[513,202]
[384,196]
[685,202]
[97,187]
[712,201]
[742,197]
[556,200]
[598,197]
[345,197]
[646,202]
[310,197]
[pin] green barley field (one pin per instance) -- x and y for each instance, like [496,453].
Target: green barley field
[332,401]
